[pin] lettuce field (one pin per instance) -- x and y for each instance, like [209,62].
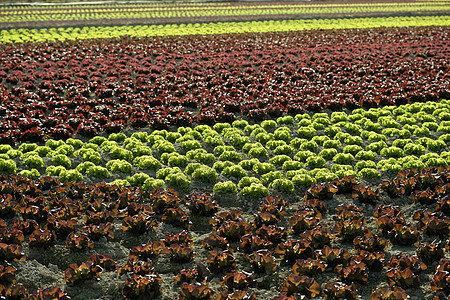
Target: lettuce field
[225,150]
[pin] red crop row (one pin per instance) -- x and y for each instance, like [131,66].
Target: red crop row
[56,89]
[44,213]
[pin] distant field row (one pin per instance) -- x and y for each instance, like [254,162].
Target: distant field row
[70,15]
[55,34]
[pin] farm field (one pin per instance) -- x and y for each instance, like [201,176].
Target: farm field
[244,150]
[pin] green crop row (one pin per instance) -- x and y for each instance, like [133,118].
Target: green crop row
[252,159]
[206,10]
[18,35]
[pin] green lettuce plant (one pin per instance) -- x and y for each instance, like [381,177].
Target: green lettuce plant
[54,170]
[292,173]
[14,153]
[258,152]
[34,161]
[119,165]
[302,156]
[75,143]
[179,180]
[214,141]
[8,165]
[267,124]
[284,185]
[89,155]
[432,126]
[221,149]
[247,181]
[365,164]
[303,180]
[205,174]
[98,140]
[147,162]
[436,145]
[33,173]
[220,126]
[263,168]
[190,168]
[165,147]
[248,163]
[306,132]
[392,152]
[303,116]
[225,187]
[83,167]
[401,143]
[270,177]
[141,136]
[191,144]
[376,146]
[24,147]
[332,144]
[317,125]
[53,144]
[322,174]
[219,166]
[90,146]
[70,175]
[412,148]
[338,116]
[137,179]
[107,146]
[152,183]
[309,145]
[284,149]
[163,173]
[343,158]
[353,140]
[353,129]
[141,150]
[369,173]
[315,162]
[343,170]
[4,148]
[230,156]
[286,120]
[234,171]
[341,136]
[282,134]
[239,123]
[132,143]
[328,153]
[274,144]
[366,155]
[332,130]
[98,171]
[291,165]
[279,160]
[263,137]
[62,160]
[174,159]
[44,151]
[255,190]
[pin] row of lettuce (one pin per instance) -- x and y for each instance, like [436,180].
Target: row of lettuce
[20,35]
[171,12]
[281,155]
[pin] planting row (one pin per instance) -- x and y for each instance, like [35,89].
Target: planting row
[244,25]
[281,155]
[342,238]
[107,85]
[205,12]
